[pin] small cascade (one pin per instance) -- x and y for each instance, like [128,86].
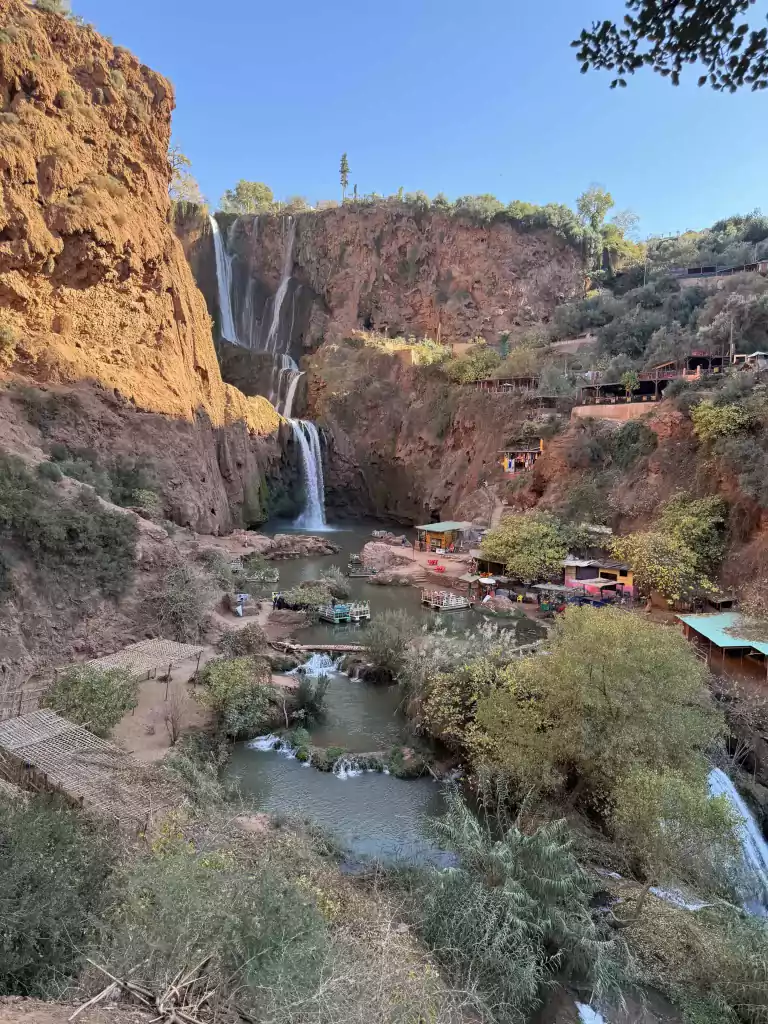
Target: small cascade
[293,381]
[224,281]
[308,439]
[753,845]
[273,337]
[317,665]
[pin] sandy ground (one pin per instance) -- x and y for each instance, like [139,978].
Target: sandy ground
[32,1011]
[144,732]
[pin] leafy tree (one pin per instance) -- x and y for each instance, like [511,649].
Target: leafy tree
[478,362]
[93,697]
[55,865]
[513,914]
[238,691]
[532,546]
[699,523]
[630,381]
[248,197]
[483,207]
[183,187]
[593,204]
[676,829]
[663,563]
[344,175]
[615,693]
[666,36]
[712,422]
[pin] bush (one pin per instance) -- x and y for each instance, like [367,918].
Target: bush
[8,342]
[532,546]
[55,865]
[334,580]
[310,699]
[238,691]
[52,6]
[310,596]
[251,639]
[386,641]
[217,565]
[712,422]
[267,939]
[43,408]
[181,602]
[93,697]
[75,543]
[49,471]
[514,914]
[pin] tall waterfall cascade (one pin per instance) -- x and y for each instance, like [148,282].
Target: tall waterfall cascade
[285,376]
[753,845]
[273,337]
[224,281]
[308,440]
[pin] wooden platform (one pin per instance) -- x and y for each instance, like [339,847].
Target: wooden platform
[44,752]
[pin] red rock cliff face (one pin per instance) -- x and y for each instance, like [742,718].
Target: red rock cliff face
[387,269]
[94,285]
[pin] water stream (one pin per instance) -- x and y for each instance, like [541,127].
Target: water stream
[224,282]
[272,343]
[753,844]
[308,439]
[371,814]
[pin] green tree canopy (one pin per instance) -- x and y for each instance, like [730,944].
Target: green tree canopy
[699,523]
[248,197]
[593,204]
[666,35]
[661,562]
[678,831]
[93,697]
[614,693]
[532,546]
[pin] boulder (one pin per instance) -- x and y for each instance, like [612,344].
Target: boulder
[380,555]
[295,545]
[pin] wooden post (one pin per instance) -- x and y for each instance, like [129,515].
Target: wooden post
[168,680]
[197,669]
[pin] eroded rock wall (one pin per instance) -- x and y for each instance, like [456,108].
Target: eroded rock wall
[392,270]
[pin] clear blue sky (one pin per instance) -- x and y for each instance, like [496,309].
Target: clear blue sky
[441,96]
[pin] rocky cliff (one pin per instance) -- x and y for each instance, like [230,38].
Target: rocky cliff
[404,443]
[94,285]
[388,269]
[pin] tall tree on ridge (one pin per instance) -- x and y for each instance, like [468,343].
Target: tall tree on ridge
[344,175]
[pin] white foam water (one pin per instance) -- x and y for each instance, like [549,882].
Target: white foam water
[224,282]
[308,439]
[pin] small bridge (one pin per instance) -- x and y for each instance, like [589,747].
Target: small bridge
[282,645]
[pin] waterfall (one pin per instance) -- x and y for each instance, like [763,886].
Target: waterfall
[753,845]
[308,439]
[224,281]
[274,328]
[291,392]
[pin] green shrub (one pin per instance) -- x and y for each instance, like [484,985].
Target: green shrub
[180,603]
[251,639]
[218,566]
[237,690]
[712,422]
[513,915]
[334,580]
[8,342]
[55,865]
[312,596]
[93,697]
[267,939]
[52,6]
[386,640]
[310,699]
[44,408]
[75,543]
[49,471]
[632,441]
[196,763]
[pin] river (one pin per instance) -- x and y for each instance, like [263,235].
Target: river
[371,815]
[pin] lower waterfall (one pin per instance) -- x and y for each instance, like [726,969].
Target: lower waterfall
[308,439]
[753,845]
